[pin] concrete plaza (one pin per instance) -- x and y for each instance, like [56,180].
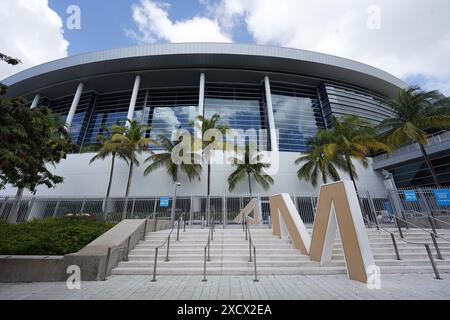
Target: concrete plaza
[302,287]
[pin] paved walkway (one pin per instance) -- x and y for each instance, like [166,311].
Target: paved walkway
[235,288]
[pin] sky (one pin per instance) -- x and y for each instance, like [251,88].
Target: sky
[410,39]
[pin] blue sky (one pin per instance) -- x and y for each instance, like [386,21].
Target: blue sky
[104,22]
[410,39]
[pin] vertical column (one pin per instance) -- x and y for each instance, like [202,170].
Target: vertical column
[270,115]
[201,111]
[35,103]
[134,95]
[74,106]
[201,96]
[325,122]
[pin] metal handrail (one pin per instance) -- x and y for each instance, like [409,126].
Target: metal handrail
[432,234]
[440,210]
[248,236]
[427,215]
[207,248]
[167,241]
[430,220]
[426,245]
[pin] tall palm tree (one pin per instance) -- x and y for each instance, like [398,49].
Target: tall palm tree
[352,138]
[416,111]
[132,141]
[164,159]
[250,166]
[205,124]
[106,147]
[319,162]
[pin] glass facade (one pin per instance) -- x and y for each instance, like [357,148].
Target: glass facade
[169,110]
[110,109]
[81,118]
[241,107]
[299,111]
[416,173]
[297,116]
[338,100]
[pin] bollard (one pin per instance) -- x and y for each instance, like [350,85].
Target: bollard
[154,265]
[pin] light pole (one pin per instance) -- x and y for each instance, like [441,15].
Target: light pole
[174,201]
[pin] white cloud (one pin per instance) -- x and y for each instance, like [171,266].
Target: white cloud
[413,39]
[31,32]
[154,24]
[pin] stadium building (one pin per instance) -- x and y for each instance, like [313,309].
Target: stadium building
[288,92]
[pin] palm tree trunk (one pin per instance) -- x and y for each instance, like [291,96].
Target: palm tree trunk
[429,164]
[12,217]
[350,172]
[108,191]
[130,176]
[249,183]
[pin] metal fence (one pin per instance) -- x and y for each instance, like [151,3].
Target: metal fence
[381,207]
[223,210]
[378,207]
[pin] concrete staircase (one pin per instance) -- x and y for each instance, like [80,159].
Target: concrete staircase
[230,254]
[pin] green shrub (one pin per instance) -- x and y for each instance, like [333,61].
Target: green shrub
[50,236]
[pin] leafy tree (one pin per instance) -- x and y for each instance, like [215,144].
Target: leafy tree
[132,141]
[8,60]
[105,148]
[352,138]
[29,139]
[164,159]
[415,112]
[319,162]
[250,166]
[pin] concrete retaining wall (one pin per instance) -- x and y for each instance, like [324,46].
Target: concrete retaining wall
[91,259]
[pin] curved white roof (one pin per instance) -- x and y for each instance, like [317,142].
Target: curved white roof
[204,55]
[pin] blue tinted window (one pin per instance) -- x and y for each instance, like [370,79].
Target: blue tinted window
[297,116]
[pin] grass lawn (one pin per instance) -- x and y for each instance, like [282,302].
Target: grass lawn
[50,236]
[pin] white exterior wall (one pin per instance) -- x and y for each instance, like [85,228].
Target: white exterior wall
[82,179]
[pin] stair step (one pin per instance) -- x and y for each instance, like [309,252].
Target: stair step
[230,253]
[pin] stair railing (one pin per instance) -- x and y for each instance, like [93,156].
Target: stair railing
[166,242]
[207,248]
[431,220]
[432,235]
[426,245]
[251,245]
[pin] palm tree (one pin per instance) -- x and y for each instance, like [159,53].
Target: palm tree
[352,138]
[164,159]
[106,147]
[415,112]
[250,166]
[132,141]
[319,162]
[208,146]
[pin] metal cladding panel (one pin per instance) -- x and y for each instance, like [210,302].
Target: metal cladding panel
[203,55]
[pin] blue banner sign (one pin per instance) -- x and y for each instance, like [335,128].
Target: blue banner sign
[410,195]
[164,202]
[442,197]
